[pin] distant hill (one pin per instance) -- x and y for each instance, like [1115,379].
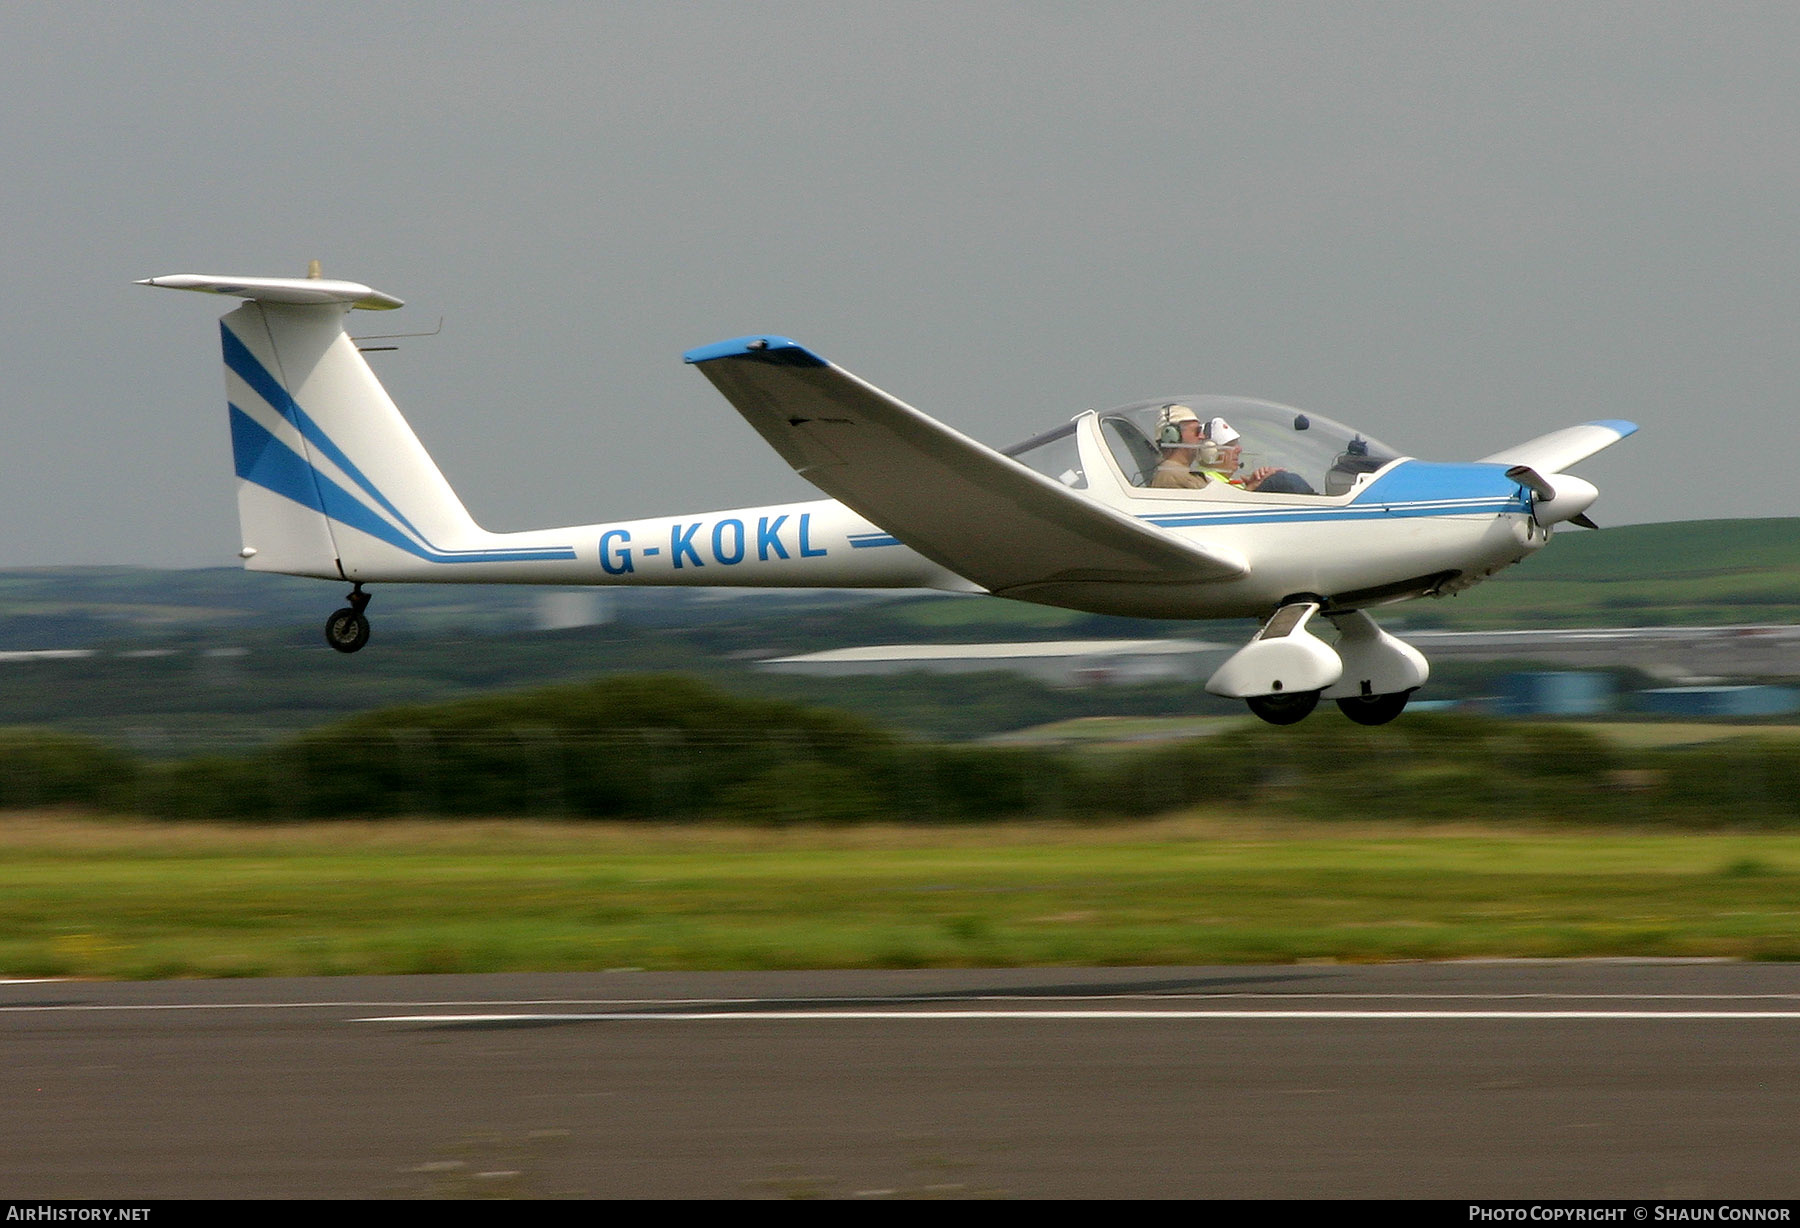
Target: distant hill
[1686,572]
[1694,572]
[220,656]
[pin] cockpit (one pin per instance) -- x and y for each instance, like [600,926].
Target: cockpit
[1321,457]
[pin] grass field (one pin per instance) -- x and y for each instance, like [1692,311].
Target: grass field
[88,897]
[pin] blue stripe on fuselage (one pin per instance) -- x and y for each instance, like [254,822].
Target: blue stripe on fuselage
[1408,489]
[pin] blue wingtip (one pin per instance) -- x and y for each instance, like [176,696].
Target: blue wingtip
[781,350]
[1623,427]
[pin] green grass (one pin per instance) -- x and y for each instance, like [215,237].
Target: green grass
[1651,735]
[127,899]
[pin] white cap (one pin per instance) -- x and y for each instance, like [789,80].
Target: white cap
[1178,413]
[1220,432]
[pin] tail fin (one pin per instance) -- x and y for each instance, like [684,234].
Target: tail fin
[332,482]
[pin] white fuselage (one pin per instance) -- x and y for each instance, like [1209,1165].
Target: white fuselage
[822,544]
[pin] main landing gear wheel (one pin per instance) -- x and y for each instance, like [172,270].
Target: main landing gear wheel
[1284,709]
[1374,709]
[348,629]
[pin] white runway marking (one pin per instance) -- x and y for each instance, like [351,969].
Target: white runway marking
[802,1007]
[953,1015]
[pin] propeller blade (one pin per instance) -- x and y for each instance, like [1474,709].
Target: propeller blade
[1533,481]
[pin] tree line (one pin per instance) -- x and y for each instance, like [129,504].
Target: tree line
[669,748]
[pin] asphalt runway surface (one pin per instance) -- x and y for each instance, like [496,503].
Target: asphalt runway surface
[1478,1080]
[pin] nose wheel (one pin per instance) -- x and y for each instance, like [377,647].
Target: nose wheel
[348,629]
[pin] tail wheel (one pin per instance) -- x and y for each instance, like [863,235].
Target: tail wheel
[1284,709]
[1374,709]
[347,630]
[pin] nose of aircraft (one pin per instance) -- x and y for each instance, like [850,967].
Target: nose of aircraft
[1556,498]
[1570,497]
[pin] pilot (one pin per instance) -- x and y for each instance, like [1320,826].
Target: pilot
[1178,436]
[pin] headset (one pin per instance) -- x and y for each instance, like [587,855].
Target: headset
[1169,436]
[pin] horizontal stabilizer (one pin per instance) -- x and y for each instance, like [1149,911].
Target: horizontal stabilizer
[957,502]
[299,291]
[1558,450]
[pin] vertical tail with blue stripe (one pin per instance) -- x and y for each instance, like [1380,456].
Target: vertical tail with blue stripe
[332,482]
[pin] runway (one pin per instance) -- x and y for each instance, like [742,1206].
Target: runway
[1585,1079]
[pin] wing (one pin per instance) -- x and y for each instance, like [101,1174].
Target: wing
[1558,450]
[957,502]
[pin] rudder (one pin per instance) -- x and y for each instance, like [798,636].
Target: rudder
[332,481]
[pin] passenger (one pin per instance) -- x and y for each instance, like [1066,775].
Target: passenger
[1220,463]
[1178,436]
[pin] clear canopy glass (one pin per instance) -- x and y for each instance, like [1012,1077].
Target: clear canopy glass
[1321,456]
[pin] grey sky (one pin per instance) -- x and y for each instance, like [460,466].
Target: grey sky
[1454,226]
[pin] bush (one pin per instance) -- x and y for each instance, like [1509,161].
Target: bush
[40,767]
[656,748]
